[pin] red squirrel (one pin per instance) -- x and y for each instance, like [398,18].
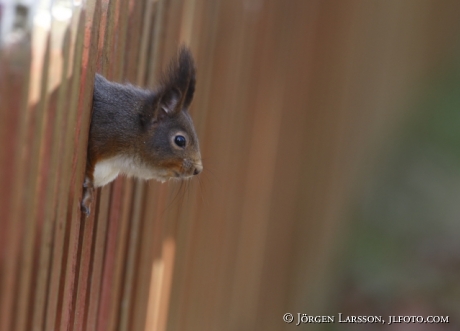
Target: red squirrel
[141,133]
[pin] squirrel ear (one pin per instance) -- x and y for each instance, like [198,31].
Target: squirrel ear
[170,101]
[179,84]
[152,112]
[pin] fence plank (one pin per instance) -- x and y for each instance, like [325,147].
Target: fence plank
[16,76]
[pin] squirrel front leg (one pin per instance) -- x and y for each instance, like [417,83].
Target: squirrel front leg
[88,190]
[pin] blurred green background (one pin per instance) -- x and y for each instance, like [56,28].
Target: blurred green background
[402,249]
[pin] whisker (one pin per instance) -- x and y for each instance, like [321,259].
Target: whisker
[183,188]
[201,191]
[176,196]
[188,190]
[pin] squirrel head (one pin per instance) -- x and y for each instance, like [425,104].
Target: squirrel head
[169,141]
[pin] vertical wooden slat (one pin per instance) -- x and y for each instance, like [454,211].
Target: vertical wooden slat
[15,84]
[113,219]
[148,260]
[158,37]
[62,226]
[130,258]
[97,262]
[115,292]
[79,101]
[38,107]
[60,48]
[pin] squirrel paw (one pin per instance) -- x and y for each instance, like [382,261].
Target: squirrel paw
[88,190]
[85,209]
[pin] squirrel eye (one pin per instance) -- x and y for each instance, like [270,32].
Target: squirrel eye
[180,141]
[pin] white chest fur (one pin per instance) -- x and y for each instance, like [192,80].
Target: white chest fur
[107,170]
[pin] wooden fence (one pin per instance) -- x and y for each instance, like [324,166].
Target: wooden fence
[291,95]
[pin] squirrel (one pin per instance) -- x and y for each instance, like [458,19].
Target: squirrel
[142,133]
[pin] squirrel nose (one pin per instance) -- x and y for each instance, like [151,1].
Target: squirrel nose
[198,169]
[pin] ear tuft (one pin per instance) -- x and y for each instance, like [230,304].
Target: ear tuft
[178,84]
